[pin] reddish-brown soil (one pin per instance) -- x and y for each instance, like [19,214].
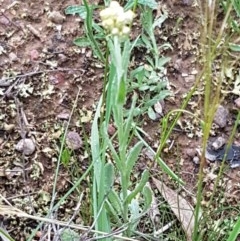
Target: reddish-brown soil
[45,71]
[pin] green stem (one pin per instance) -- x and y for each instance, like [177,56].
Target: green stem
[166,134]
[90,31]
[106,71]
[5,235]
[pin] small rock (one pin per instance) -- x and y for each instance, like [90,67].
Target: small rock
[62,58]
[237,102]
[13,57]
[34,55]
[196,160]
[194,72]
[73,140]
[4,21]
[218,143]
[56,17]
[8,127]
[158,108]
[26,146]
[190,78]
[57,78]
[191,152]
[221,116]
[63,115]
[111,129]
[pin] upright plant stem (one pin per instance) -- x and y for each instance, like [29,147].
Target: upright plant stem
[90,31]
[210,52]
[106,71]
[207,71]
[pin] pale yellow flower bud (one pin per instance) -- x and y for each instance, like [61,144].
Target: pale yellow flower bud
[105,13]
[108,23]
[120,20]
[125,30]
[114,5]
[115,31]
[129,15]
[115,20]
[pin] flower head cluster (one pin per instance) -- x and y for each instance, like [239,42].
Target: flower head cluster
[115,20]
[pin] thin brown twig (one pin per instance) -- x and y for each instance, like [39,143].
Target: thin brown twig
[20,195]
[18,27]
[6,81]
[17,212]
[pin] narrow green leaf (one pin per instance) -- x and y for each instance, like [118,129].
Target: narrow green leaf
[235,232]
[82,42]
[137,71]
[111,92]
[65,157]
[162,61]
[151,113]
[236,5]
[121,92]
[4,235]
[144,87]
[158,22]
[147,3]
[126,55]
[147,193]
[108,177]
[129,121]
[78,9]
[150,61]
[139,187]
[95,145]
[114,215]
[162,95]
[115,202]
[133,157]
[134,210]
[146,41]
[111,147]
[161,163]
[234,47]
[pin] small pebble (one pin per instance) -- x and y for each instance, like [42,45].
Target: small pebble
[111,129]
[196,160]
[194,72]
[34,55]
[8,127]
[191,152]
[73,140]
[4,21]
[158,108]
[189,78]
[26,146]
[218,143]
[221,116]
[13,57]
[62,58]
[63,115]
[56,17]
[237,102]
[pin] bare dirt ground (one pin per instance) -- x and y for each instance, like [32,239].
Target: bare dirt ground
[41,73]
